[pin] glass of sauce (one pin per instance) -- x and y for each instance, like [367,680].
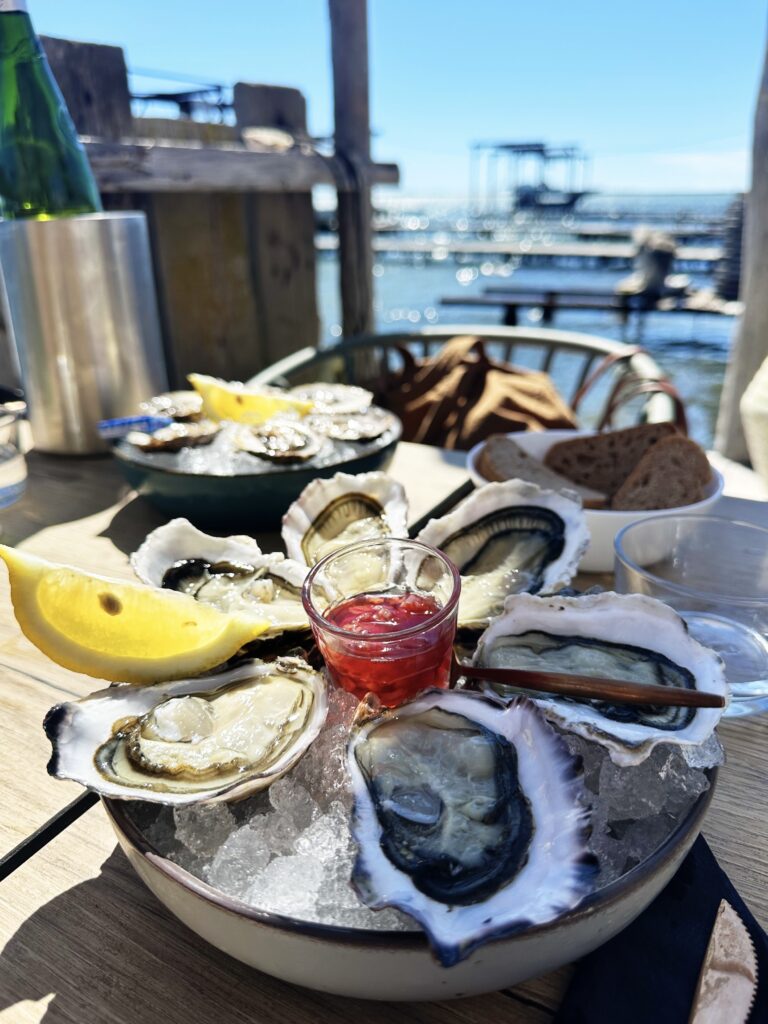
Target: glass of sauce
[383,613]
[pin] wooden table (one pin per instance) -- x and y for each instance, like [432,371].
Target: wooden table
[82,940]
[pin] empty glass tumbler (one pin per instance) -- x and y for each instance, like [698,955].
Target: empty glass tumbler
[714,572]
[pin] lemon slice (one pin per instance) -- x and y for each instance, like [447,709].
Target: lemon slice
[236,402]
[124,632]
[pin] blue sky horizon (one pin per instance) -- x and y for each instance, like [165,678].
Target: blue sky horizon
[662,99]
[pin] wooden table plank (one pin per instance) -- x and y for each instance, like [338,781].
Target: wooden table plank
[28,795]
[737,823]
[77,923]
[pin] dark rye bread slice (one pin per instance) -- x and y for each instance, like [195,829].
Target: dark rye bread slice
[604,461]
[501,458]
[673,472]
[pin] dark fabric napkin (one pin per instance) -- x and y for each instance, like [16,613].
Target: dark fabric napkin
[648,973]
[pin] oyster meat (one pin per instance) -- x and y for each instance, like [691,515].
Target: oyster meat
[280,440]
[508,538]
[331,513]
[339,399]
[617,636]
[348,426]
[218,737]
[179,405]
[230,573]
[175,436]
[468,816]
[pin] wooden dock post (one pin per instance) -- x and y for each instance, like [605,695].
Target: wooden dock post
[349,51]
[282,232]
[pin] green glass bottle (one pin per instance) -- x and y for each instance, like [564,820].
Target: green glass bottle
[44,171]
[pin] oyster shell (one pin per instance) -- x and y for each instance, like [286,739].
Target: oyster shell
[179,405]
[468,816]
[340,399]
[175,436]
[280,441]
[619,636]
[331,513]
[217,737]
[508,538]
[230,573]
[350,426]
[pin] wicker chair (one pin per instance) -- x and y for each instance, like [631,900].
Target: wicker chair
[571,359]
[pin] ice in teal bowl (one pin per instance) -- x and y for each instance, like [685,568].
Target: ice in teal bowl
[254,497]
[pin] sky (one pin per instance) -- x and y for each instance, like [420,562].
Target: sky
[660,94]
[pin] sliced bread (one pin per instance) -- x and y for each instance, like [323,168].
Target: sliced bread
[673,472]
[503,459]
[604,461]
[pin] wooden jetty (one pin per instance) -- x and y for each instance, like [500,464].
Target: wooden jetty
[616,254]
[590,231]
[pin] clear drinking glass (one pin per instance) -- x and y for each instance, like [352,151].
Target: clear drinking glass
[383,613]
[13,465]
[714,572]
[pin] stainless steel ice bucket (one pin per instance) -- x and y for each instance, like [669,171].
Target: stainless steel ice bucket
[81,309]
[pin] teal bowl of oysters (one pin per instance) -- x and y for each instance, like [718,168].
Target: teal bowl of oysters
[224,474]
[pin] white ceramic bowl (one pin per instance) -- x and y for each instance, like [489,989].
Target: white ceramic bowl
[398,965]
[603,524]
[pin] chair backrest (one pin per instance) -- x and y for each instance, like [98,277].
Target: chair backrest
[569,357]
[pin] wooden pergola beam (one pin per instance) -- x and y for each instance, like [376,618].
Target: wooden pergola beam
[163,166]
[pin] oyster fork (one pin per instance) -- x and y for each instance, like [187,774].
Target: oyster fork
[615,691]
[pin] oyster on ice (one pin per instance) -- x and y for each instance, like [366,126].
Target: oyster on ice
[280,440]
[507,538]
[331,513]
[190,434]
[339,399]
[179,405]
[230,573]
[346,426]
[217,737]
[468,816]
[617,636]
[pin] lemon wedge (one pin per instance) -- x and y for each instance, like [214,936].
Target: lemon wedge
[124,632]
[241,404]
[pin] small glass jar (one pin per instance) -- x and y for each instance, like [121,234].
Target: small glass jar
[383,613]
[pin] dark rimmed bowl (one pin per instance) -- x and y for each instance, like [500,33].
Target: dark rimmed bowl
[398,965]
[244,501]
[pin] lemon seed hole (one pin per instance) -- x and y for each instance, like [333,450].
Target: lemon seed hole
[110,604]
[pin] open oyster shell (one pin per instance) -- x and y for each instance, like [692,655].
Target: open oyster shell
[217,737]
[507,538]
[230,573]
[280,440]
[340,399]
[619,636]
[189,434]
[347,426]
[331,513]
[468,816]
[179,405]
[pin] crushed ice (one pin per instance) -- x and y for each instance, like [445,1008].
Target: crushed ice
[289,850]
